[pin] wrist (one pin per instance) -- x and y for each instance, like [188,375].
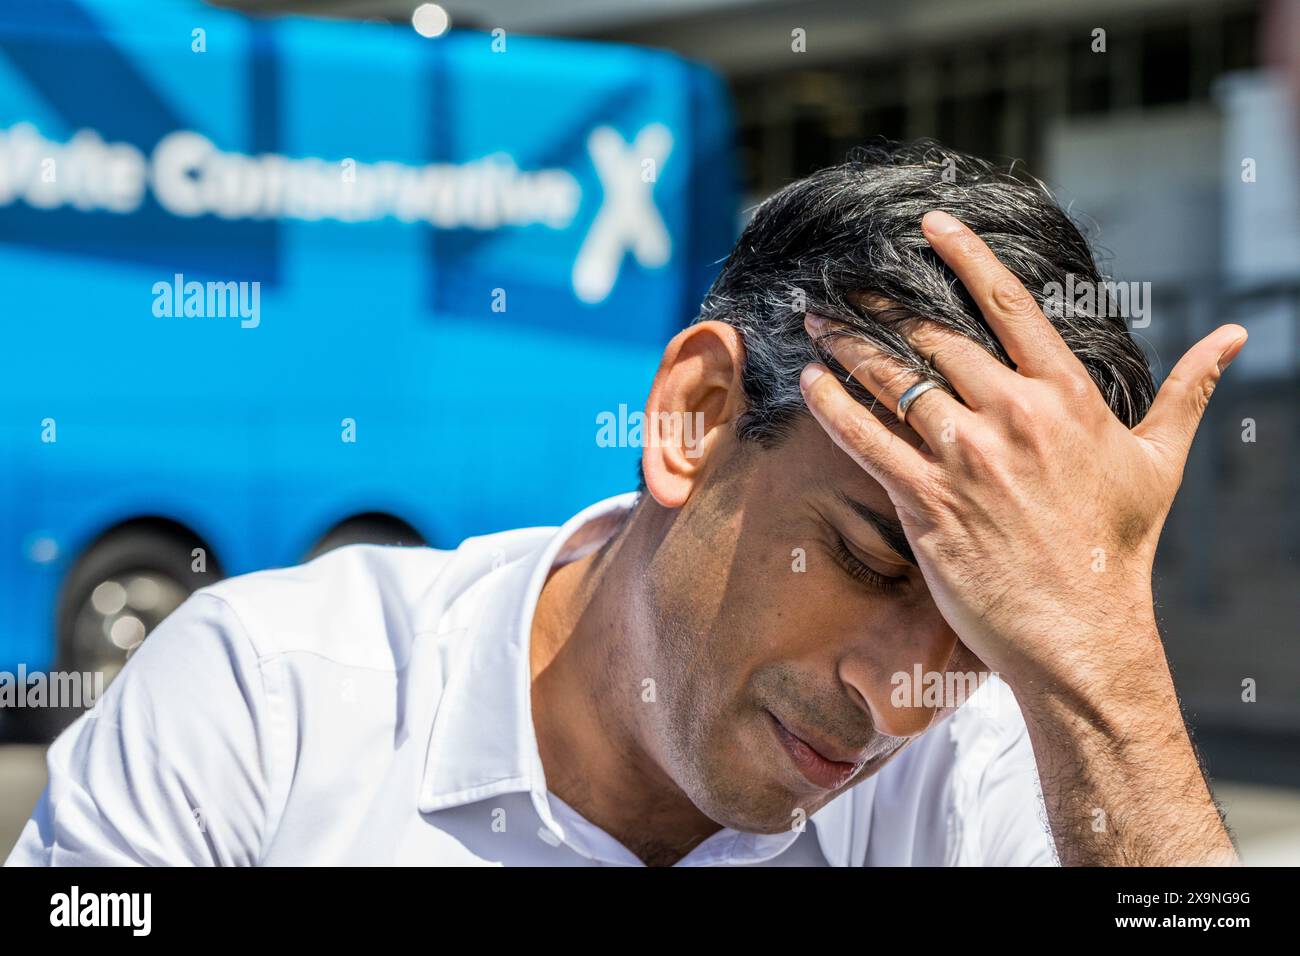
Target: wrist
[1113,673]
[1130,765]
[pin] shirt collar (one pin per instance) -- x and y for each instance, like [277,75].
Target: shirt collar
[483,742]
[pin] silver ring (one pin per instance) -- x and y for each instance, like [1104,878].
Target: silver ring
[911,395]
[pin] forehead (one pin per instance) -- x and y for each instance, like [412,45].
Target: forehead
[808,463]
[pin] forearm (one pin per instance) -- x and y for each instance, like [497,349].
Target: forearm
[1121,781]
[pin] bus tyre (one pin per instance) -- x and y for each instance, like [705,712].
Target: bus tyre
[367,529]
[118,591]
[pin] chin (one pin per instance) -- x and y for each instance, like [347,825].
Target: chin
[754,808]
[747,821]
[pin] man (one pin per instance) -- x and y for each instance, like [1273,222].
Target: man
[751,661]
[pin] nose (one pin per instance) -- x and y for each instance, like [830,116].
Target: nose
[898,670]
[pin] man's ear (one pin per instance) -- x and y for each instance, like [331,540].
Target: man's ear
[696,396]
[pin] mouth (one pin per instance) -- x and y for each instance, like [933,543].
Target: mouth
[818,769]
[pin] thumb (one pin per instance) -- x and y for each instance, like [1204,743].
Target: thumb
[1176,413]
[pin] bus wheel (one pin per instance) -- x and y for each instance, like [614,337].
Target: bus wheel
[120,590]
[367,529]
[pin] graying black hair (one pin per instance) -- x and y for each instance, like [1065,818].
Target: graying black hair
[848,239]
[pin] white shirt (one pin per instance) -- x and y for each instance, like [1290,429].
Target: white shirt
[373,707]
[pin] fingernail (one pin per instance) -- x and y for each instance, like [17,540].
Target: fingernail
[1230,353]
[810,374]
[814,323]
[940,223]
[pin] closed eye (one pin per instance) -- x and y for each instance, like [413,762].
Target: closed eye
[862,572]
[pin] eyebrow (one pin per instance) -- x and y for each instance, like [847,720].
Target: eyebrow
[890,531]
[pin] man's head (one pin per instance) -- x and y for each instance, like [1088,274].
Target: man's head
[782,597]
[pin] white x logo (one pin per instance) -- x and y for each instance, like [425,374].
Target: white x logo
[628,218]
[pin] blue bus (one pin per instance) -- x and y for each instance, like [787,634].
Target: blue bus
[275,285]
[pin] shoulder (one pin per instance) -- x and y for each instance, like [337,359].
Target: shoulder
[358,606]
[362,606]
[260,689]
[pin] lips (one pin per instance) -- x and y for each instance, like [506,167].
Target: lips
[817,769]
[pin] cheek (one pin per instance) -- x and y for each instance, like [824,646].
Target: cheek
[781,616]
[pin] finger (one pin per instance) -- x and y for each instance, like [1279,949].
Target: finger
[932,415]
[1011,312]
[1176,413]
[977,376]
[863,437]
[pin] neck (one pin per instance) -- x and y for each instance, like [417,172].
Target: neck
[588,664]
